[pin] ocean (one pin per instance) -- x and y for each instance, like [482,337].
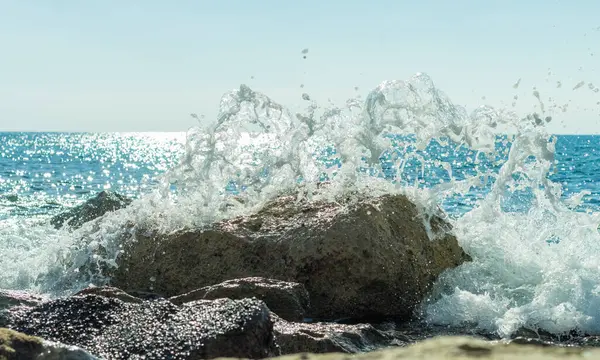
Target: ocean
[524,203]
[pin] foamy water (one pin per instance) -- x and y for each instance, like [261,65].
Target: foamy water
[536,255]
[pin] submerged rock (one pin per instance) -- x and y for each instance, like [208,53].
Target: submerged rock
[287,299]
[368,258]
[113,329]
[293,337]
[17,346]
[105,201]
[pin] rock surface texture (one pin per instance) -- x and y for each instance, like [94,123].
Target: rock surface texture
[294,337]
[112,329]
[10,298]
[287,299]
[105,201]
[360,259]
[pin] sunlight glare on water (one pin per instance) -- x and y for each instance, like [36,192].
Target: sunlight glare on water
[532,248]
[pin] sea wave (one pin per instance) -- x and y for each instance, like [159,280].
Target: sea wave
[536,261]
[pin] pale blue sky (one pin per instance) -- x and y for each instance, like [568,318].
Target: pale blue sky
[145,65]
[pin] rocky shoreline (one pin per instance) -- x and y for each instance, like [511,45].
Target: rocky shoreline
[295,277]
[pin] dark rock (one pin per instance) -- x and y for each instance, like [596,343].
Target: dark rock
[540,337]
[10,298]
[113,329]
[530,341]
[292,337]
[357,258]
[590,341]
[104,202]
[287,299]
[110,292]
[145,295]
[18,346]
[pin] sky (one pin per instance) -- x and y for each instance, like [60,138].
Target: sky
[145,65]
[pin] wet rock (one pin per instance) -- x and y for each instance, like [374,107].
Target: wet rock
[113,329]
[543,338]
[293,337]
[289,300]
[590,341]
[105,201]
[10,298]
[110,292]
[18,346]
[530,341]
[359,259]
[17,299]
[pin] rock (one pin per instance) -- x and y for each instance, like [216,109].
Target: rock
[292,337]
[110,292]
[10,298]
[15,298]
[17,346]
[105,201]
[360,259]
[113,329]
[461,348]
[287,299]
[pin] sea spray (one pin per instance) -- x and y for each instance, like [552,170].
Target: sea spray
[535,260]
[534,268]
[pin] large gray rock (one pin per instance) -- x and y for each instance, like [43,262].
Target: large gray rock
[105,201]
[365,258]
[287,299]
[18,346]
[113,329]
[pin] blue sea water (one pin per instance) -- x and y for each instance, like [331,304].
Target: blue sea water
[525,205]
[42,174]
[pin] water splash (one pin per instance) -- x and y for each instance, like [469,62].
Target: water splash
[533,263]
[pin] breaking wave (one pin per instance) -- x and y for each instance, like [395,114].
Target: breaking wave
[536,260]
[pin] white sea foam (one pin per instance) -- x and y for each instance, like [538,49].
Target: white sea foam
[536,262]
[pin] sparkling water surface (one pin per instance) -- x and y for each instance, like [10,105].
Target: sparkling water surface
[524,206]
[44,173]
